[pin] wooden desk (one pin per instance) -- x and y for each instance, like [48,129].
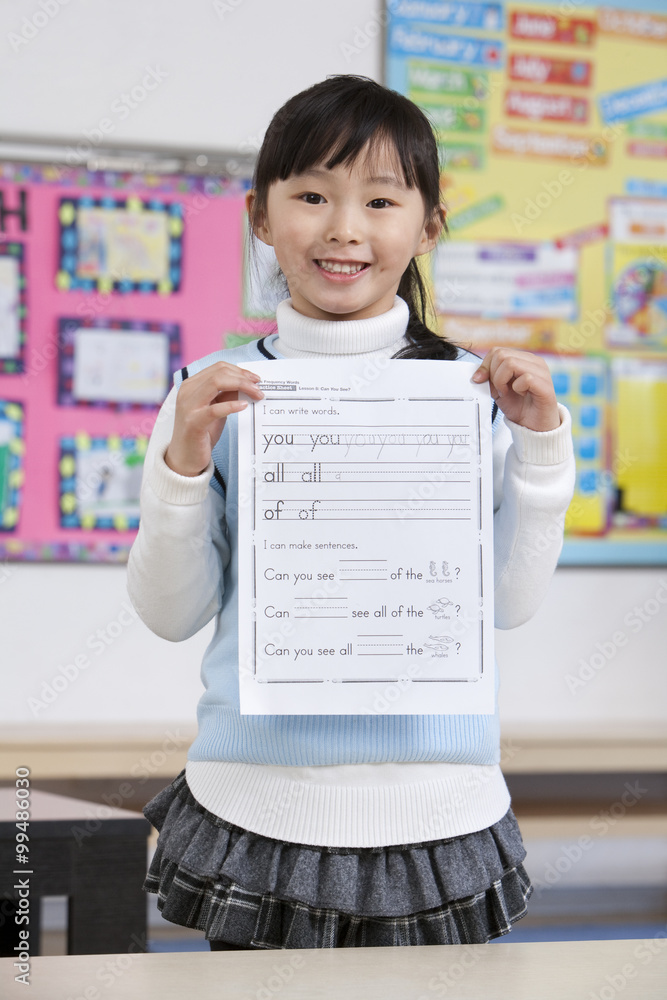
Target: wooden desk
[95,855]
[579,970]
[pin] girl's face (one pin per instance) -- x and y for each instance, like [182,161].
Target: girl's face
[343,237]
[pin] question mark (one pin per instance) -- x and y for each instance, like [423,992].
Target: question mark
[458,646]
[458,608]
[458,570]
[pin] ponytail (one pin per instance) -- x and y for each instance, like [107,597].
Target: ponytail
[422,342]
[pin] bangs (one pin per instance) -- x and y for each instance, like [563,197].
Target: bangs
[341,120]
[333,143]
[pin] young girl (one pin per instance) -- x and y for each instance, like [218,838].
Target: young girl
[338,831]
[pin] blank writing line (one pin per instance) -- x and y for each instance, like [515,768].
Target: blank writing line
[380,680]
[404,461]
[279,423]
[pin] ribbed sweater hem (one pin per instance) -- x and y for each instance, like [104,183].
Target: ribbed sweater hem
[399,807]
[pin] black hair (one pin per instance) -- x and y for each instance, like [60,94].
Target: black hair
[331,123]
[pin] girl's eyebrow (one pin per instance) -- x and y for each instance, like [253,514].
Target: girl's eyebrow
[376,179]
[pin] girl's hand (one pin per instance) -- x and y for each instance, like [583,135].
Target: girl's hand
[203,403]
[521,384]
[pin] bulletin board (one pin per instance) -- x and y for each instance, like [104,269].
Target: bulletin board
[552,123]
[109,282]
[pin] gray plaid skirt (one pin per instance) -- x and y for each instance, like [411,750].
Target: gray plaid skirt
[255,892]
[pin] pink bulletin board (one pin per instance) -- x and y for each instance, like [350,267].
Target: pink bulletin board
[84,369]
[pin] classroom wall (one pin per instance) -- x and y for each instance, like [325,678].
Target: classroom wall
[224,67]
[76,622]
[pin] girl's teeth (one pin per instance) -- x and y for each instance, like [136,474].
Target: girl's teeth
[327,265]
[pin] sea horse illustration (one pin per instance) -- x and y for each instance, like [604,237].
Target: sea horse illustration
[445,568]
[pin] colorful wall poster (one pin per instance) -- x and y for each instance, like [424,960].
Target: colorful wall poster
[637,280]
[100,481]
[12,307]
[581,384]
[553,157]
[122,244]
[505,280]
[109,282]
[640,439]
[11,463]
[116,363]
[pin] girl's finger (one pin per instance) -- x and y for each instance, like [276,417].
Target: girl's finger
[223,372]
[228,395]
[505,374]
[509,370]
[226,380]
[223,409]
[524,384]
[231,392]
[496,357]
[482,373]
[202,393]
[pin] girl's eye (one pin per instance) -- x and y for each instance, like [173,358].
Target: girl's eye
[379,202]
[312,199]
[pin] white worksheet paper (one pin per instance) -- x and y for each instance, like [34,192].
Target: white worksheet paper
[366,540]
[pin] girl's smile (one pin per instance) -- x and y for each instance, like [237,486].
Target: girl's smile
[343,268]
[344,236]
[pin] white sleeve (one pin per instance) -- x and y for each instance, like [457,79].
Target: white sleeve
[534,477]
[175,567]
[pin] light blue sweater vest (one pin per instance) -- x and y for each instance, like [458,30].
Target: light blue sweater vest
[306,740]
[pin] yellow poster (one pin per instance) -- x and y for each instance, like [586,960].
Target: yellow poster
[552,126]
